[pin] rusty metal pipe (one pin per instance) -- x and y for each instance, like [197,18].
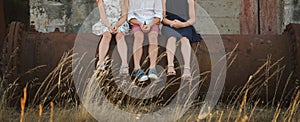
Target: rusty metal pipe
[252,52]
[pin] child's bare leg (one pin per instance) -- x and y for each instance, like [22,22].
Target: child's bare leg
[138,48]
[153,48]
[186,53]
[122,48]
[103,46]
[171,48]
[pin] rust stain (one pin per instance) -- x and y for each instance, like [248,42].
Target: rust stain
[294,41]
[248,17]
[268,17]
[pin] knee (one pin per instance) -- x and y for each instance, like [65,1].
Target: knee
[119,36]
[172,39]
[153,37]
[106,35]
[185,41]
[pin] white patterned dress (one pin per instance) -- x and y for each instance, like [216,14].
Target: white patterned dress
[113,12]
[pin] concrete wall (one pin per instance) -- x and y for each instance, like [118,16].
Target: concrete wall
[224,13]
[68,15]
[291,12]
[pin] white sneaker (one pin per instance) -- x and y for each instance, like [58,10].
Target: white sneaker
[143,78]
[152,74]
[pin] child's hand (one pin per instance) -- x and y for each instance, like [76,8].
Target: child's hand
[146,28]
[141,26]
[111,30]
[177,24]
[115,29]
[172,23]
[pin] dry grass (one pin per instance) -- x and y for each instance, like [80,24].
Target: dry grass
[242,105]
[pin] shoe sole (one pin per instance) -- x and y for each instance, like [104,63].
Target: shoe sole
[143,78]
[152,76]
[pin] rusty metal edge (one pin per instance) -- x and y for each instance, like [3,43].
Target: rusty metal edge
[294,33]
[12,50]
[2,25]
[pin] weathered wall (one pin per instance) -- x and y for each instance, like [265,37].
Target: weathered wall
[224,13]
[68,15]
